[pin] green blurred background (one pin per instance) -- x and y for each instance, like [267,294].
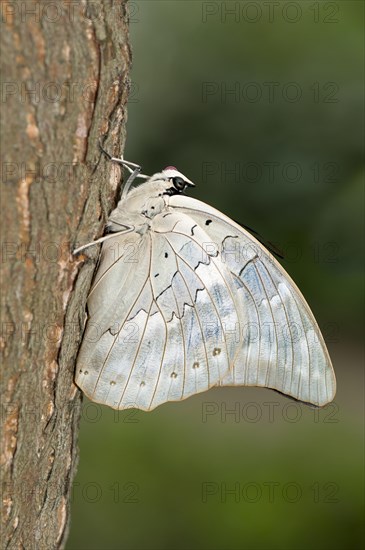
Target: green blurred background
[281,153]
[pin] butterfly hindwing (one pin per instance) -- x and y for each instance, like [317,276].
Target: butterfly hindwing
[281,346]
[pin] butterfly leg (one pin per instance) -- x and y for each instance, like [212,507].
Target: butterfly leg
[132,167]
[128,229]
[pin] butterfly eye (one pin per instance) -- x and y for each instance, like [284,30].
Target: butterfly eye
[179,183]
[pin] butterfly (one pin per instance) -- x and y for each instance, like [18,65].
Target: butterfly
[185,299]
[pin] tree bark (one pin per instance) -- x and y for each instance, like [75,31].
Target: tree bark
[65,72]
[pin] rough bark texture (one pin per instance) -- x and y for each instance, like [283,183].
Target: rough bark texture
[65,70]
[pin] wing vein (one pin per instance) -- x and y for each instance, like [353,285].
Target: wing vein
[182,328]
[116,337]
[288,323]
[219,271]
[259,328]
[105,273]
[273,318]
[212,301]
[164,348]
[137,352]
[200,325]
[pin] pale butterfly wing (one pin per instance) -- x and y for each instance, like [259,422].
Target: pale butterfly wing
[281,346]
[186,299]
[159,310]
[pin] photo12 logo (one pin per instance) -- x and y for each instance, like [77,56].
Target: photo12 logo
[253,492]
[269,12]
[61,12]
[253,412]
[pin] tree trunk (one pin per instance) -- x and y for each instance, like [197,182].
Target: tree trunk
[65,69]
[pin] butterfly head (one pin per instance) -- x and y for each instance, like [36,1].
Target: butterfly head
[175,181]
